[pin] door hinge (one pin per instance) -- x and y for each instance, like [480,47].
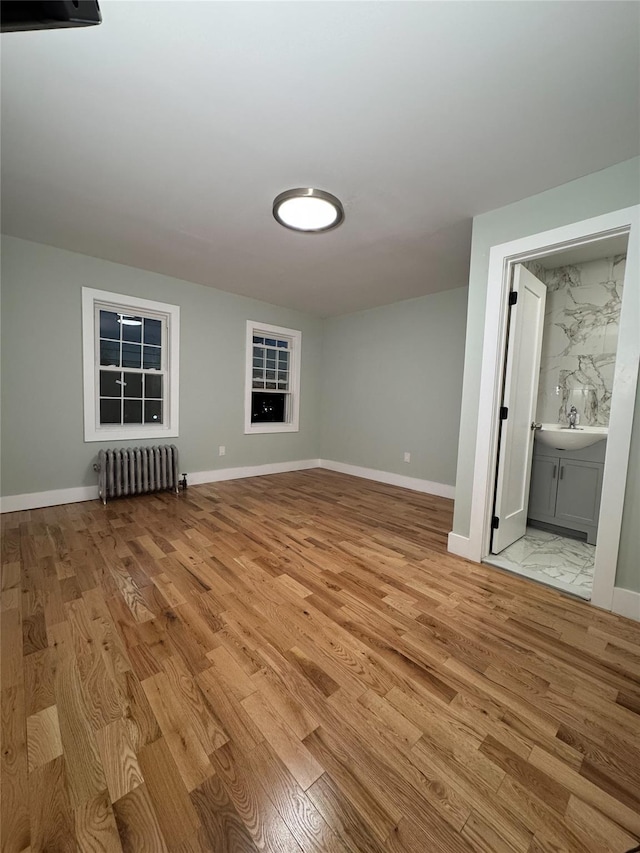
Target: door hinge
[495,522]
[504,413]
[513,297]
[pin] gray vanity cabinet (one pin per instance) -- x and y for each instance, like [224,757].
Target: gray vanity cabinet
[544,487]
[579,488]
[565,492]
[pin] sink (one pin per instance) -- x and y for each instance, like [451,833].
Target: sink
[563,438]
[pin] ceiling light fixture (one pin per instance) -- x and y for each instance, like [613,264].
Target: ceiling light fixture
[307,209]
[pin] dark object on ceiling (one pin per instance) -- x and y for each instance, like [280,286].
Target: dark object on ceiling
[17,15]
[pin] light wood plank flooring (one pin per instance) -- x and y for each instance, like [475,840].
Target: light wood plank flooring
[294,663]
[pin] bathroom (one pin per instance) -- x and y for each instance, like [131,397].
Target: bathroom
[584,290]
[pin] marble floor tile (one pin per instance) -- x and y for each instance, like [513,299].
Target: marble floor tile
[558,561]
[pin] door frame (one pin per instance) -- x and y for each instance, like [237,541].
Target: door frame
[502,257]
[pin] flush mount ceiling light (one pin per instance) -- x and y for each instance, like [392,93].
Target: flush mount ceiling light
[306,209]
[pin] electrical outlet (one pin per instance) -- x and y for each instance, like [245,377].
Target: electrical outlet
[222,450]
[407,456]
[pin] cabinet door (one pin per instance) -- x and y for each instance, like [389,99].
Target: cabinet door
[544,483]
[579,486]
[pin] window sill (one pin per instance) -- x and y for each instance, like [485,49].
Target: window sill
[130,434]
[261,429]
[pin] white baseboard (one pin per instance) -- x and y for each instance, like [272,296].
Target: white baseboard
[460,546]
[626,602]
[33,500]
[414,483]
[200,477]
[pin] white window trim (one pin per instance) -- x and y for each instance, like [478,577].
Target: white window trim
[92,429]
[256,328]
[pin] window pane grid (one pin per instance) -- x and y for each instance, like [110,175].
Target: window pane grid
[270,364]
[125,400]
[131,372]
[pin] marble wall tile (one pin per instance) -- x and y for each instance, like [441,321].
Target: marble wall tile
[580,339]
[550,406]
[586,382]
[562,278]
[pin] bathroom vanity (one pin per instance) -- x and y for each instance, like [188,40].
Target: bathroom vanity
[566,487]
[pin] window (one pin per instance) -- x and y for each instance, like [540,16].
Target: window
[272,386]
[130,351]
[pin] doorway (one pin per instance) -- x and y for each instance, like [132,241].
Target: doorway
[560,358]
[503,259]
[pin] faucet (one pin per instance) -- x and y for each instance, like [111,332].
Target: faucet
[573,417]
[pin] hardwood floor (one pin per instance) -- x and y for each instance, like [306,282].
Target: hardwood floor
[294,663]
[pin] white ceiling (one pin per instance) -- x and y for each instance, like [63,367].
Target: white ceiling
[160,138]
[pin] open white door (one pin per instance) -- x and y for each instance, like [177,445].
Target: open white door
[520,396]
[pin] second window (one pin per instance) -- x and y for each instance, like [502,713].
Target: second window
[273,378]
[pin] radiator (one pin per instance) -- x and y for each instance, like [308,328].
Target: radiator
[136,471]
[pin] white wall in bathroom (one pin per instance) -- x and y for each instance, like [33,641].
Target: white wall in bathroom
[580,340]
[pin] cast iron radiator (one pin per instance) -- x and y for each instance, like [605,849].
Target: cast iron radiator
[136,471]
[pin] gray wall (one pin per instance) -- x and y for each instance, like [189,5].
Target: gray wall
[392,376]
[42,415]
[602,192]
[392,380]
